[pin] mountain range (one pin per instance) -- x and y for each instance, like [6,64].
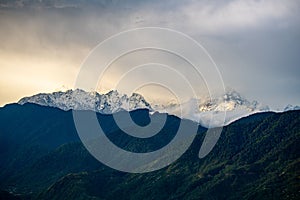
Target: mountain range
[78,99]
[208,112]
[41,157]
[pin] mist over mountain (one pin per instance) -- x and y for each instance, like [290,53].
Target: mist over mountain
[208,112]
[291,107]
[181,135]
[215,111]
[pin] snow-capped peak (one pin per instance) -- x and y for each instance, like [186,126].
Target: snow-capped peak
[78,99]
[291,107]
[229,101]
[217,111]
[209,112]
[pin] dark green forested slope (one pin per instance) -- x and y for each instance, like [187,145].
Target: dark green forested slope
[256,157]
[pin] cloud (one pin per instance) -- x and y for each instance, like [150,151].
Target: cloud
[234,15]
[255,43]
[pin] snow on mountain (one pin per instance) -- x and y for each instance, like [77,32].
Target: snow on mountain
[208,112]
[78,99]
[216,112]
[231,100]
[291,107]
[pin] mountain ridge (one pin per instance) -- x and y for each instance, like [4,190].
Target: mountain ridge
[230,105]
[78,99]
[256,157]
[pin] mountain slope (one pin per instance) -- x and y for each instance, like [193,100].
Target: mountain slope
[28,133]
[40,144]
[257,157]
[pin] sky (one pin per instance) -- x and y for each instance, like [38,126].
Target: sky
[254,44]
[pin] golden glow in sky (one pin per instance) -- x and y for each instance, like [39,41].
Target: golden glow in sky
[254,43]
[24,75]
